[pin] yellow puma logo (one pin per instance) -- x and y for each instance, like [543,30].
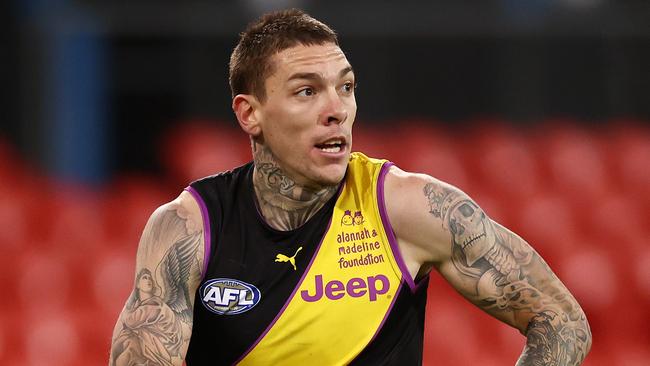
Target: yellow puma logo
[284,258]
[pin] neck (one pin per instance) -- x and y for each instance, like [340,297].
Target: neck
[285,204]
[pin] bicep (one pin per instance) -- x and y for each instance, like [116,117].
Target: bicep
[493,267]
[156,321]
[439,226]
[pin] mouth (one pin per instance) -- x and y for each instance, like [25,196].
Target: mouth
[470,242]
[332,146]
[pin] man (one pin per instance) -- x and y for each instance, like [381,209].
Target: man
[313,254]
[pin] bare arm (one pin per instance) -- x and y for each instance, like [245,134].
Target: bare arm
[490,266]
[155,325]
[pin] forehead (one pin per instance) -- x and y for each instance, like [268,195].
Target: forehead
[323,59]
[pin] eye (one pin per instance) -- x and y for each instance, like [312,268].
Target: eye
[348,87]
[305,92]
[466,210]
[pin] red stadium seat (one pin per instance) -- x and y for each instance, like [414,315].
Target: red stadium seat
[12,169]
[430,150]
[44,283]
[95,328]
[512,342]
[12,328]
[112,282]
[504,161]
[10,266]
[14,221]
[548,223]
[630,352]
[591,276]
[128,205]
[600,355]
[52,339]
[200,148]
[449,334]
[630,152]
[618,219]
[574,159]
[642,275]
[495,208]
[3,344]
[377,142]
[76,225]
[595,281]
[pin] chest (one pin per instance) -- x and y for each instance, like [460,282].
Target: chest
[263,292]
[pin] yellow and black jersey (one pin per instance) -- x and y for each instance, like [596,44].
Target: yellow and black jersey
[334,291]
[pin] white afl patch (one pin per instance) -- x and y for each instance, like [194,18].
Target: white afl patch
[225,296]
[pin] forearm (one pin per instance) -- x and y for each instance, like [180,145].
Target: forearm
[555,339]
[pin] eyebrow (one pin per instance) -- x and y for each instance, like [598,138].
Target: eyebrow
[316,76]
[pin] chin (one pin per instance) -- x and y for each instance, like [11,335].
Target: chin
[332,176]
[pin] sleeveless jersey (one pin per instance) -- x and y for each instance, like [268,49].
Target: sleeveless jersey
[334,291]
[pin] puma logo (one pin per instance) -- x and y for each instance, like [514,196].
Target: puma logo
[284,258]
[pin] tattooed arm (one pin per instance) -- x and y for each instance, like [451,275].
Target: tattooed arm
[440,227]
[155,325]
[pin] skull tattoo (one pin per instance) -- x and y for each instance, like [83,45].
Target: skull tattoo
[469,226]
[474,234]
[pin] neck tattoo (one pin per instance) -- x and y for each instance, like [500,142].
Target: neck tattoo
[284,204]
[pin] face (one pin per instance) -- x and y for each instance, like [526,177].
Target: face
[306,119]
[469,225]
[145,283]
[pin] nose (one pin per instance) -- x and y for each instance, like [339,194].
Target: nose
[335,110]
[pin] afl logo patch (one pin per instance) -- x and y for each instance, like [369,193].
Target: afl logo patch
[225,296]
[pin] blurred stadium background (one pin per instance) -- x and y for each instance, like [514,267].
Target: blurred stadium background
[540,109]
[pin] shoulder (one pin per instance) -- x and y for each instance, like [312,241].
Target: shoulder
[176,225]
[183,208]
[417,206]
[411,193]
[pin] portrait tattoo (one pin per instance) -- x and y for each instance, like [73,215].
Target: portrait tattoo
[158,314]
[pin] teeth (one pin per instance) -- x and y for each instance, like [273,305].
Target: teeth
[331,146]
[471,240]
[333,149]
[334,142]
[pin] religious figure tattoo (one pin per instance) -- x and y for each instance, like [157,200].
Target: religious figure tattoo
[155,325]
[504,276]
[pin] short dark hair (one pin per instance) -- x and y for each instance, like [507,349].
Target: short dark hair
[250,61]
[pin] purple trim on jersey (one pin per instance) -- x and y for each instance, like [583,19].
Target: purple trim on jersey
[206,228]
[389,228]
[302,279]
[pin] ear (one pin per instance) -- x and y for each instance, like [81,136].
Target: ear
[247,110]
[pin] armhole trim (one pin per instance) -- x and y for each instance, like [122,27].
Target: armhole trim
[388,228]
[207,237]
